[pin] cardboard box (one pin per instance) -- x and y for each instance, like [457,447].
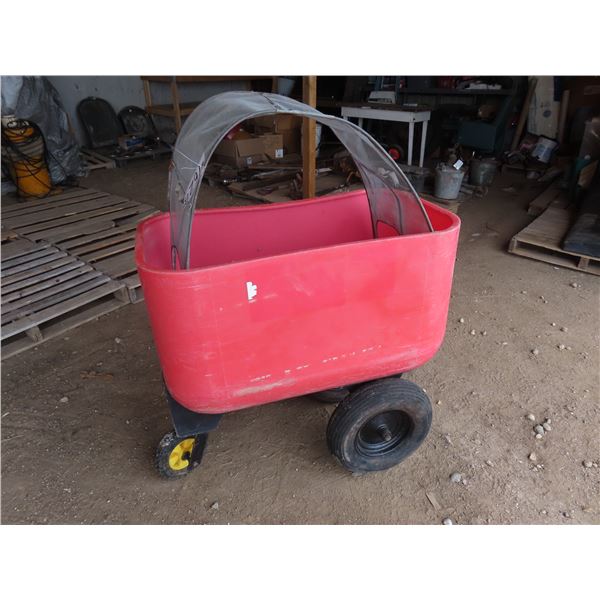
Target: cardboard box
[241,152]
[288,126]
[292,141]
[273,145]
[277,123]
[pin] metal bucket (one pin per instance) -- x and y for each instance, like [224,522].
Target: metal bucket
[417,177]
[447,182]
[482,172]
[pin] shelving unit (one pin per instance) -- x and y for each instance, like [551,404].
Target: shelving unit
[177,110]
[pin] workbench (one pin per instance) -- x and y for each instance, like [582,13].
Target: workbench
[396,114]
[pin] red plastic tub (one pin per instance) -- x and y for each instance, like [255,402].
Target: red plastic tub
[288,299]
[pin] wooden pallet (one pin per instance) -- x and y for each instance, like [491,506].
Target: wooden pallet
[109,250]
[8,234]
[46,292]
[451,205]
[552,195]
[96,227]
[94,160]
[542,239]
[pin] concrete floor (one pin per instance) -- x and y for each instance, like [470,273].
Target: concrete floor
[89,459]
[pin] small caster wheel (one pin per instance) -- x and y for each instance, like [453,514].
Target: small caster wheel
[177,456]
[380,424]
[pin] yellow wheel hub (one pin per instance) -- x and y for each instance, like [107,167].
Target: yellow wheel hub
[179,457]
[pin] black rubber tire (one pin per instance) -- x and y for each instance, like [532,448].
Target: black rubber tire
[339,394]
[166,446]
[332,396]
[394,401]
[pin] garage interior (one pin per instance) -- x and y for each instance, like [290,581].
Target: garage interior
[514,387]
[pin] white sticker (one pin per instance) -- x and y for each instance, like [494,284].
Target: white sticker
[251,290]
[458,164]
[279,153]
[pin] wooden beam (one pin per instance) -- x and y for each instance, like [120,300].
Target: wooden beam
[147,93]
[309,128]
[176,107]
[524,114]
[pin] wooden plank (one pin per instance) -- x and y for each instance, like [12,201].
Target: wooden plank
[167,110]
[202,78]
[65,228]
[71,198]
[82,207]
[61,326]
[45,220]
[40,277]
[147,93]
[20,326]
[176,104]
[142,207]
[309,155]
[67,272]
[87,227]
[25,258]
[102,213]
[61,258]
[39,260]
[524,113]
[19,248]
[107,251]
[134,288]
[7,234]
[23,306]
[539,204]
[549,229]
[94,241]
[84,283]
[144,214]
[22,209]
[451,205]
[117,266]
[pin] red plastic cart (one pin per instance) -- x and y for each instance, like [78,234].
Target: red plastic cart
[337,295]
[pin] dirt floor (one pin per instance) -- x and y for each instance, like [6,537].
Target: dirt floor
[80,450]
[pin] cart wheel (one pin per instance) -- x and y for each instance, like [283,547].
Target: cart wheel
[396,152]
[380,424]
[333,396]
[177,456]
[339,394]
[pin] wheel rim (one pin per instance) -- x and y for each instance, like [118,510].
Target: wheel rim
[383,433]
[179,458]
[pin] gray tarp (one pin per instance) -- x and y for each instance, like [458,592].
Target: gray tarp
[35,99]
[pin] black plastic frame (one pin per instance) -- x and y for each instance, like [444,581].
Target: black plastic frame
[187,422]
